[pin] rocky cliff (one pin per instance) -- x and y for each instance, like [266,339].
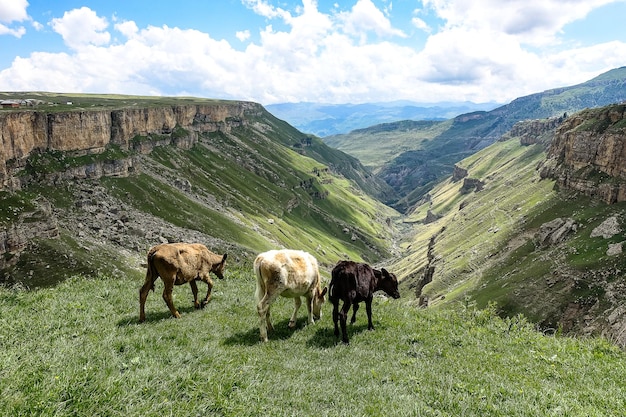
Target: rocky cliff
[76,133]
[588,154]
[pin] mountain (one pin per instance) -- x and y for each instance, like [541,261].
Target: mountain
[413,156]
[89,183]
[533,224]
[331,119]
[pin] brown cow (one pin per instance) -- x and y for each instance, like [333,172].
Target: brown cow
[292,274]
[177,264]
[352,283]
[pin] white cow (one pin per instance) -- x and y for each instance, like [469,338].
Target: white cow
[292,274]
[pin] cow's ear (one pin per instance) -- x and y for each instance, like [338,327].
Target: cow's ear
[324,291]
[224,257]
[384,271]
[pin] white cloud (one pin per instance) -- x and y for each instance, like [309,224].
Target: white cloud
[81,27]
[13,11]
[474,53]
[366,17]
[532,21]
[243,35]
[127,28]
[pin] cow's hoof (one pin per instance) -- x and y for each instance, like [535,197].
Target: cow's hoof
[203,304]
[346,342]
[292,324]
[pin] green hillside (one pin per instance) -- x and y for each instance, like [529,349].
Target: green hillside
[263,185]
[485,245]
[413,156]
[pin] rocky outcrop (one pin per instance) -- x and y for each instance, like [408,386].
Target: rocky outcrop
[39,223]
[534,131]
[471,184]
[588,154]
[90,132]
[555,231]
[459,173]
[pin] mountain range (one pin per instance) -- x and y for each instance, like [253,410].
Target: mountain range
[412,156]
[332,119]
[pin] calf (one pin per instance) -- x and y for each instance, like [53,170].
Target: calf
[354,282]
[177,264]
[291,274]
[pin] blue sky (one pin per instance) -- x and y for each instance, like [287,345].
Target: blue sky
[325,51]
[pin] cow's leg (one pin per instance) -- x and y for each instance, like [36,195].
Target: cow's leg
[297,301]
[268,319]
[143,294]
[263,308]
[194,290]
[343,316]
[167,295]
[355,307]
[336,317]
[209,283]
[368,309]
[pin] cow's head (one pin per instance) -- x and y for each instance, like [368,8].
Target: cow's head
[218,269]
[389,283]
[318,299]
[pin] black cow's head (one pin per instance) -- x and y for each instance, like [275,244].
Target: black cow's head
[389,283]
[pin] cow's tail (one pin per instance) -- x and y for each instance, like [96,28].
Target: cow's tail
[151,272]
[331,286]
[260,286]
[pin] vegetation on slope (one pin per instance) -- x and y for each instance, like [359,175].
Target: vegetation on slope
[424,153]
[251,188]
[486,245]
[87,355]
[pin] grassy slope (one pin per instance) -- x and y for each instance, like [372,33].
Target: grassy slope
[251,175]
[77,349]
[421,154]
[487,252]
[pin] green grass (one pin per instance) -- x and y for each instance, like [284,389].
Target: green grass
[78,350]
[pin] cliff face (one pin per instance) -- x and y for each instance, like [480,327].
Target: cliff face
[588,154]
[89,132]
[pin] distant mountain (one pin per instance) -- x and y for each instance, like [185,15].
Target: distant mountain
[331,119]
[412,157]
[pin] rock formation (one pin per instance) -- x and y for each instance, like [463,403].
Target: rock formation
[588,154]
[78,133]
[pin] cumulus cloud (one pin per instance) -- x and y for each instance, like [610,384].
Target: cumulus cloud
[81,27]
[13,11]
[243,35]
[531,21]
[353,55]
[365,17]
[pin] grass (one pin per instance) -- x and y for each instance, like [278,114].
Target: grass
[77,350]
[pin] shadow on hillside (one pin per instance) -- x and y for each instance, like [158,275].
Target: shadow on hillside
[154,316]
[325,337]
[251,337]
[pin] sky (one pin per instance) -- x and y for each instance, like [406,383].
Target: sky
[324,51]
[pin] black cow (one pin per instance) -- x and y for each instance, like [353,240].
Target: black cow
[354,282]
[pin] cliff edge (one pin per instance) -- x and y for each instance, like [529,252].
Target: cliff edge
[88,132]
[588,154]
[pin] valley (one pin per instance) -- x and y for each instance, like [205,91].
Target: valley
[458,209]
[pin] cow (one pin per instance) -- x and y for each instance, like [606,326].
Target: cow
[291,274]
[352,283]
[177,264]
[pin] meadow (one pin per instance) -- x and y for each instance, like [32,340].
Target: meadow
[77,349]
